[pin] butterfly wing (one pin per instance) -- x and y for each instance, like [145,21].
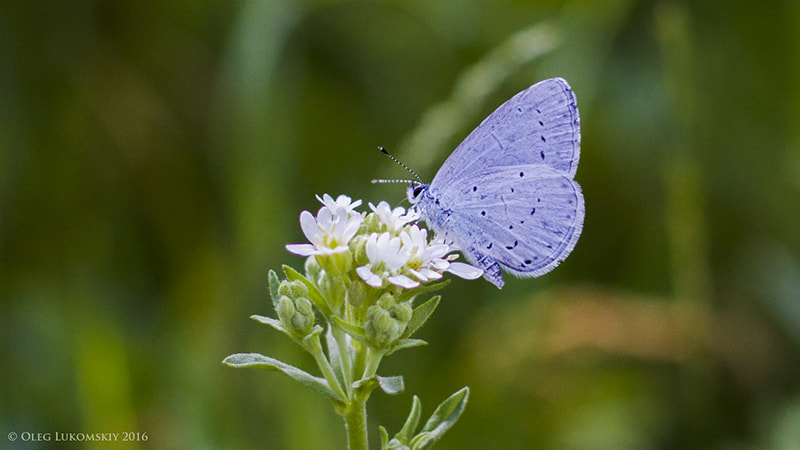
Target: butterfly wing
[506,195]
[527,218]
[539,125]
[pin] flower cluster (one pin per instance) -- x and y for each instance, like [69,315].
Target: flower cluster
[385,246]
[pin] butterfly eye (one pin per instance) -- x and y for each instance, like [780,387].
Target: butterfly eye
[418,190]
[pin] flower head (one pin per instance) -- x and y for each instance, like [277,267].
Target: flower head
[386,259]
[341,202]
[427,260]
[387,250]
[331,230]
[396,218]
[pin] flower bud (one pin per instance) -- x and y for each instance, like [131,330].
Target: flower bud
[386,321]
[355,293]
[373,224]
[296,315]
[358,247]
[293,289]
[336,263]
[333,290]
[312,269]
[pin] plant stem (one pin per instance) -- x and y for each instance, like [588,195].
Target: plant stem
[355,422]
[373,361]
[345,358]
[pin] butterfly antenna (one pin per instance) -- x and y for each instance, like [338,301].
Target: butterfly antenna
[381,180]
[383,150]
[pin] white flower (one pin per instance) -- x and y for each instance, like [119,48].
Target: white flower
[427,261]
[330,232]
[341,202]
[386,260]
[396,218]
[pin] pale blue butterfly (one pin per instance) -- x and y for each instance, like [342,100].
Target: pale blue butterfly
[506,196]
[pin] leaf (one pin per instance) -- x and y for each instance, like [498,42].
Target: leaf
[391,385]
[259,361]
[420,441]
[412,421]
[406,343]
[277,324]
[421,314]
[313,293]
[421,290]
[274,283]
[384,436]
[274,323]
[355,331]
[446,414]
[333,353]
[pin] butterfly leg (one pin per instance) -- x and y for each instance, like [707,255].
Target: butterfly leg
[491,270]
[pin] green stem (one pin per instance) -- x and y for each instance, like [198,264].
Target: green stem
[355,422]
[313,346]
[373,361]
[344,357]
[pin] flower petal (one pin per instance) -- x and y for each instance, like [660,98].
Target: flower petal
[309,226]
[403,281]
[464,271]
[430,274]
[419,275]
[301,249]
[370,278]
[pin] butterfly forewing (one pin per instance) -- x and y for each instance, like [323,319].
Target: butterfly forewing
[540,125]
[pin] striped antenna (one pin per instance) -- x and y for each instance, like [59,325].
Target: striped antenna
[383,150]
[381,180]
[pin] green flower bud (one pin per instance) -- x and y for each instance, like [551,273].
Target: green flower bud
[312,269]
[372,224]
[303,320]
[355,293]
[358,247]
[336,263]
[296,315]
[333,290]
[401,312]
[285,309]
[386,321]
[293,289]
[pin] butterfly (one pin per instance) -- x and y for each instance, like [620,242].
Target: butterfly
[506,196]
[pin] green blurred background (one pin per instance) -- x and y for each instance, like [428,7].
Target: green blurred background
[155,156]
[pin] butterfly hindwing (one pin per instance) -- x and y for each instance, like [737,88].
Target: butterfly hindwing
[527,218]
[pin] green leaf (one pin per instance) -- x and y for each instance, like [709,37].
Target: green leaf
[333,353]
[355,331]
[412,421]
[421,314]
[406,343]
[407,295]
[391,385]
[313,292]
[259,361]
[278,325]
[274,283]
[446,414]
[384,436]
[274,323]
[420,441]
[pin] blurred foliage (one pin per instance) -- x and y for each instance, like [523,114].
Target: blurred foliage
[154,158]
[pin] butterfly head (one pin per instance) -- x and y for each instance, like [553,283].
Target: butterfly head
[416,191]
